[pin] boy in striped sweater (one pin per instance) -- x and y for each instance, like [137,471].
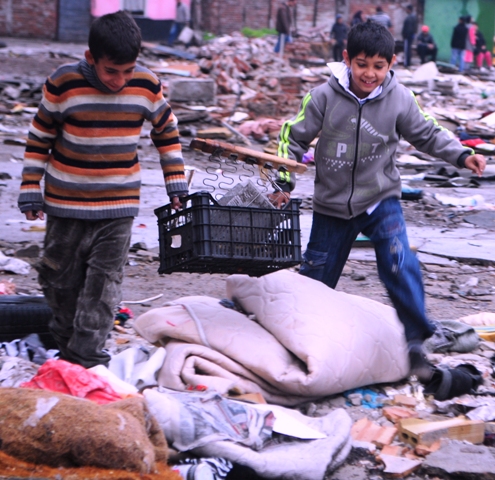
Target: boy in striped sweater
[83,142]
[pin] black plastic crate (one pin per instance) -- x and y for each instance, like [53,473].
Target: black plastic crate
[205,237]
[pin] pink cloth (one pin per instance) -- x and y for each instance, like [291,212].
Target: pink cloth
[486,56]
[64,377]
[468,53]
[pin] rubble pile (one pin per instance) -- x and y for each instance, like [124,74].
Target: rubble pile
[237,87]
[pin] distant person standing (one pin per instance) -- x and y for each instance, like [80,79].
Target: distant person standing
[481,54]
[472,27]
[339,35]
[181,20]
[426,45]
[286,24]
[381,18]
[409,30]
[357,18]
[458,44]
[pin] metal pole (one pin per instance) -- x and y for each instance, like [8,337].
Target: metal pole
[315,13]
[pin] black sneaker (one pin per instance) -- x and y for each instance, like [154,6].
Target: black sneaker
[418,364]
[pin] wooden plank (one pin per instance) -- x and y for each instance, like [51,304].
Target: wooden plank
[246,154]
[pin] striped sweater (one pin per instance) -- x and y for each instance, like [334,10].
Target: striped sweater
[84,140]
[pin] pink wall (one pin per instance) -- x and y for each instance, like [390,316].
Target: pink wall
[155,9]
[102,7]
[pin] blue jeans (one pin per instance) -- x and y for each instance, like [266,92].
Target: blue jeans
[331,241]
[408,43]
[283,39]
[174,33]
[457,56]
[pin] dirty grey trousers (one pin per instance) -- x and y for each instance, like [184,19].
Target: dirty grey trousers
[81,274]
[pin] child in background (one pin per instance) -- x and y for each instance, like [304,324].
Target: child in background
[481,53]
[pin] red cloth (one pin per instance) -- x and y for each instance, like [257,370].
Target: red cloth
[64,377]
[472,142]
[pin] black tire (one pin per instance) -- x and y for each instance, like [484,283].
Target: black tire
[21,315]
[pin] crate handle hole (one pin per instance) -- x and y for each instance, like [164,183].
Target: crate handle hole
[176,241]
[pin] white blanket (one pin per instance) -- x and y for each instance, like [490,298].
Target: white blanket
[309,341]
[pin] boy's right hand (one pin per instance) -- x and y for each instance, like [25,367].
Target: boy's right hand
[279,199]
[34,215]
[476,163]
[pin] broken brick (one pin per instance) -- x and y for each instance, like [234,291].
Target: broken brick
[394,414]
[405,400]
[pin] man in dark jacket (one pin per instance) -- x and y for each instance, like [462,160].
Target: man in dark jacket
[339,35]
[285,25]
[458,44]
[408,33]
[426,45]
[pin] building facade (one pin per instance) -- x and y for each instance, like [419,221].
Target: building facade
[69,20]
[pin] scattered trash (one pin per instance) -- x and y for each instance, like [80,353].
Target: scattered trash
[471,201]
[7,288]
[14,265]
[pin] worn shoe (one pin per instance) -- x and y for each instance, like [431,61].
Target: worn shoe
[441,340]
[418,363]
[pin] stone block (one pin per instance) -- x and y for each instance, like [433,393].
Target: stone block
[459,459]
[192,90]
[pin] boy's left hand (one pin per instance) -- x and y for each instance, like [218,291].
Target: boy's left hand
[476,163]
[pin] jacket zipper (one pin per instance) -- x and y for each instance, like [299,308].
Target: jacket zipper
[356,154]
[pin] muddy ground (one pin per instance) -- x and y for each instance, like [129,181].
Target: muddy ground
[445,295]
[448,295]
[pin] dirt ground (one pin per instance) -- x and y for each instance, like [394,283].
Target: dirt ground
[444,297]
[447,296]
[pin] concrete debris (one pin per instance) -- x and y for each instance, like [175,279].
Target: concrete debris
[462,460]
[236,88]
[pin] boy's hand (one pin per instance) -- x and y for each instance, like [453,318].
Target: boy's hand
[34,215]
[176,203]
[279,199]
[476,163]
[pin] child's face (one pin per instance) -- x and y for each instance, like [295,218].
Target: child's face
[367,73]
[113,75]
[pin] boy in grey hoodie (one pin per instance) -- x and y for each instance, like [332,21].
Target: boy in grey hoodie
[360,114]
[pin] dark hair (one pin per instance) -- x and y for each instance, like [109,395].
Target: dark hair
[409,8]
[115,36]
[372,39]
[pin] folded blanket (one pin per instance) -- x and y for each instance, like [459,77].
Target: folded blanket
[308,341]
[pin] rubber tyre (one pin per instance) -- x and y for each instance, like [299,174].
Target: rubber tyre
[21,315]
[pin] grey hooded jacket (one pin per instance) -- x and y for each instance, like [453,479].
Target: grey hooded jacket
[355,156]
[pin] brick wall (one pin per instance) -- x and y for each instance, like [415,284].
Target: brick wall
[227,16]
[28,18]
